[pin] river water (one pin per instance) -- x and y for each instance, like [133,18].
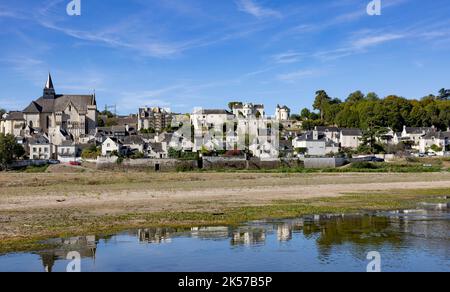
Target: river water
[418,240]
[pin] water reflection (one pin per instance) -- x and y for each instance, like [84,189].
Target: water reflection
[356,233]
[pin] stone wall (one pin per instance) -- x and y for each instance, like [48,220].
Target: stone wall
[324,162]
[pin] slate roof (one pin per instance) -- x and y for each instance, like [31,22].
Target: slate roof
[60,103]
[351,132]
[133,140]
[215,112]
[437,135]
[13,116]
[327,129]
[156,147]
[417,130]
[39,140]
[308,136]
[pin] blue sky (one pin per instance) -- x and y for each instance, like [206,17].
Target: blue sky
[187,53]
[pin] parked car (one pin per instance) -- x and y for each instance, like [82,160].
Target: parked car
[75,163]
[375,159]
[431,154]
[422,155]
[53,161]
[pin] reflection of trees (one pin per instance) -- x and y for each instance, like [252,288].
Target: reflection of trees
[360,231]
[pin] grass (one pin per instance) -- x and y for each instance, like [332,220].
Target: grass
[64,223]
[35,169]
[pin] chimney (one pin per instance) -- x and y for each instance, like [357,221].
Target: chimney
[315,135]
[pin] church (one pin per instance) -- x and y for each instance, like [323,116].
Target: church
[61,116]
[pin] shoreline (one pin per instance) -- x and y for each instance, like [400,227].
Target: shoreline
[35,207]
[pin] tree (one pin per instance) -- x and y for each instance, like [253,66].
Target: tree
[9,150]
[369,140]
[355,97]
[444,94]
[2,112]
[321,101]
[305,114]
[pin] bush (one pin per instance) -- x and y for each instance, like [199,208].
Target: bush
[364,165]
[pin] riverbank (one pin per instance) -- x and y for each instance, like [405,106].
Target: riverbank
[36,206]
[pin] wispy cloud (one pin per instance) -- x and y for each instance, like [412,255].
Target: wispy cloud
[252,8]
[287,57]
[297,75]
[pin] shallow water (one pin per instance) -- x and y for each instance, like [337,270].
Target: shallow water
[408,241]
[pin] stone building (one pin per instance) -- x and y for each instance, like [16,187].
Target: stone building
[154,118]
[55,113]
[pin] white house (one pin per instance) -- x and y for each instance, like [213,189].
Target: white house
[414,134]
[440,139]
[134,143]
[313,142]
[350,138]
[68,152]
[155,150]
[111,145]
[40,148]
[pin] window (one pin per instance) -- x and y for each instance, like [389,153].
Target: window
[34,149]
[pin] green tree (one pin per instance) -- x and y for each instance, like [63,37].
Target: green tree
[444,94]
[321,102]
[2,112]
[9,150]
[370,140]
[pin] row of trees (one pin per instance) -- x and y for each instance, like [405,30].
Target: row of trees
[365,111]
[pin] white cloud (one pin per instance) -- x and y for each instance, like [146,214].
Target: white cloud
[296,75]
[369,41]
[287,57]
[250,7]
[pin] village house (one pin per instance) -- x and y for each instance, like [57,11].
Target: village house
[40,148]
[315,143]
[156,151]
[134,144]
[350,138]
[68,152]
[13,123]
[438,139]
[113,145]
[414,134]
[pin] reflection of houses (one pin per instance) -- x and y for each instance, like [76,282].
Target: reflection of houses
[284,232]
[155,235]
[86,246]
[248,236]
[210,232]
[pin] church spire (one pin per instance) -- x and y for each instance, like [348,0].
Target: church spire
[49,90]
[49,84]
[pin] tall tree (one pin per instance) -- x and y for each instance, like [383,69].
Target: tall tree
[2,112]
[321,101]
